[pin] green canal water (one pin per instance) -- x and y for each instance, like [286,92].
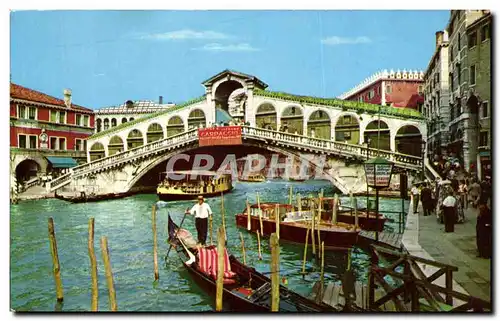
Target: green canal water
[127,225]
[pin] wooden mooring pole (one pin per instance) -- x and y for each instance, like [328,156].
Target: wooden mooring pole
[109,274]
[94,303]
[55,261]
[243,253]
[313,239]
[277,219]
[320,200]
[322,275]
[258,241]
[220,268]
[223,214]
[260,216]
[305,255]
[275,273]
[155,245]
[290,195]
[249,217]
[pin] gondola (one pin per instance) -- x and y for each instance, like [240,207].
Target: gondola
[245,289]
[84,198]
[294,225]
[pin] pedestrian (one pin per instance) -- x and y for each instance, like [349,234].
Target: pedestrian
[426,198]
[449,212]
[415,194]
[484,231]
[474,193]
[463,189]
[201,212]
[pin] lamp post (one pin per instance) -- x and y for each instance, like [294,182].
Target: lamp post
[378,173]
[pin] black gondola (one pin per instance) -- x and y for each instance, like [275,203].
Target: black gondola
[84,198]
[247,291]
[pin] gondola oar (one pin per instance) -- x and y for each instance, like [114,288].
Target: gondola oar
[175,236]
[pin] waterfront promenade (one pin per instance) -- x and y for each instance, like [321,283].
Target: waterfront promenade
[425,237]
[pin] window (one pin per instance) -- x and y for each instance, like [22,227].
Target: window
[86,120]
[459,42]
[347,119]
[22,141]
[53,142]
[388,89]
[21,112]
[484,35]
[78,144]
[78,120]
[62,117]
[360,99]
[483,139]
[371,94]
[472,75]
[53,116]
[451,81]
[32,112]
[451,53]
[472,39]
[420,89]
[484,113]
[459,69]
[62,143]
[33,141]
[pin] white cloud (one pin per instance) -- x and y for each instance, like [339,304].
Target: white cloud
[334,40]
[186,34]
[217,47]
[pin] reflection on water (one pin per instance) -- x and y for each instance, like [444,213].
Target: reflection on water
[127,224]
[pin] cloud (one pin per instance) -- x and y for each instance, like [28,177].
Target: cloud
[334,40]
[217,47]
[99,75]
[186,34]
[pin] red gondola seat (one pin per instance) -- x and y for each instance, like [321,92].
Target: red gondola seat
[207,261]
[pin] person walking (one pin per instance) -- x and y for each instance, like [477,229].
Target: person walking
[462,190]
[484,230]
[449,212]
[201,212]
[426,198]
[415,193]
[474,193]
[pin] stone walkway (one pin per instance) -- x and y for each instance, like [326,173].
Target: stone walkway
[35,192]
[458,249]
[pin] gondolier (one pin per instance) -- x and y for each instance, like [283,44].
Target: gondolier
[201,212]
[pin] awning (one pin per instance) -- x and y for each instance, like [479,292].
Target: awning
[62,162]
[484,153]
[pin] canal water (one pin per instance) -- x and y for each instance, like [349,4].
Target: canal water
[127,225]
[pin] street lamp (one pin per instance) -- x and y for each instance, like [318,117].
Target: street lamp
[378,173]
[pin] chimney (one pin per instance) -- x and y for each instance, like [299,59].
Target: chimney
[67,97]
[161,100]
[439,38]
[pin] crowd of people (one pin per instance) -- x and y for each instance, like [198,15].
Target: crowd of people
[448,199]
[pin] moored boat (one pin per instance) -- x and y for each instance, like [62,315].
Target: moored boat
[84,198]
[296,179]
[255,178]
[244,288]
[294,225]
[187,185]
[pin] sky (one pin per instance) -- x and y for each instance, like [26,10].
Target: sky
[108,57]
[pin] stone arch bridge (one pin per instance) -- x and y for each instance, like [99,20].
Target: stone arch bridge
[345,132]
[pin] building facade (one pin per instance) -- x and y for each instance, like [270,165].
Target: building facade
[109,117]
[479,99]
[390,88]
[47,134]
[436,101]
[462,127]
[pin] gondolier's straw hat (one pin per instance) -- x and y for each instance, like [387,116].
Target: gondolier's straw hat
[200,197]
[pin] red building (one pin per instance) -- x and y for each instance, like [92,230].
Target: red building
[47,134]
[396,89]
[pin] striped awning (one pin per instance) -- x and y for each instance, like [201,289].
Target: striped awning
[62,162]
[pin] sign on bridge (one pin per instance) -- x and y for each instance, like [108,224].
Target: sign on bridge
[227,135]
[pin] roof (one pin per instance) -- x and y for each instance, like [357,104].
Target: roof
[139,107]
[235,73]
[20,92]
[344,104]
[479,21]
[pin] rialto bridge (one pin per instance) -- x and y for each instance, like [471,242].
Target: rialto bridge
[122,158]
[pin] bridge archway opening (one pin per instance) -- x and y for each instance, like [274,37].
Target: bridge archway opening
[124,120]
[196,119]
[106,124]
[266,116]
[26,170]
[319,125]
[175,126]
[131,119]
[113,122]
[222,93]
[347,129]
[97,151]
[409,141]
[371,135]
[115,145]
[154,133]
[98,124]
[292,120]
[135,139]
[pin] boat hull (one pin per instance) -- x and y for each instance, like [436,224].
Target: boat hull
[370,223]
[297,234]
[86,199]
[182,197]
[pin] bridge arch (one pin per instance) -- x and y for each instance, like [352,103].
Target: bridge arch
[98,124]
[135,139]
[223,89]
[113,122]
[131,119]
[106,123]
[347,128]
[154,133]
[319,124]
[175,125]
[27,169]
[409,140]
[97,151]
[115,145]
[266,116]
[196,119]
[371,135]
[292,119]
[124,120]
